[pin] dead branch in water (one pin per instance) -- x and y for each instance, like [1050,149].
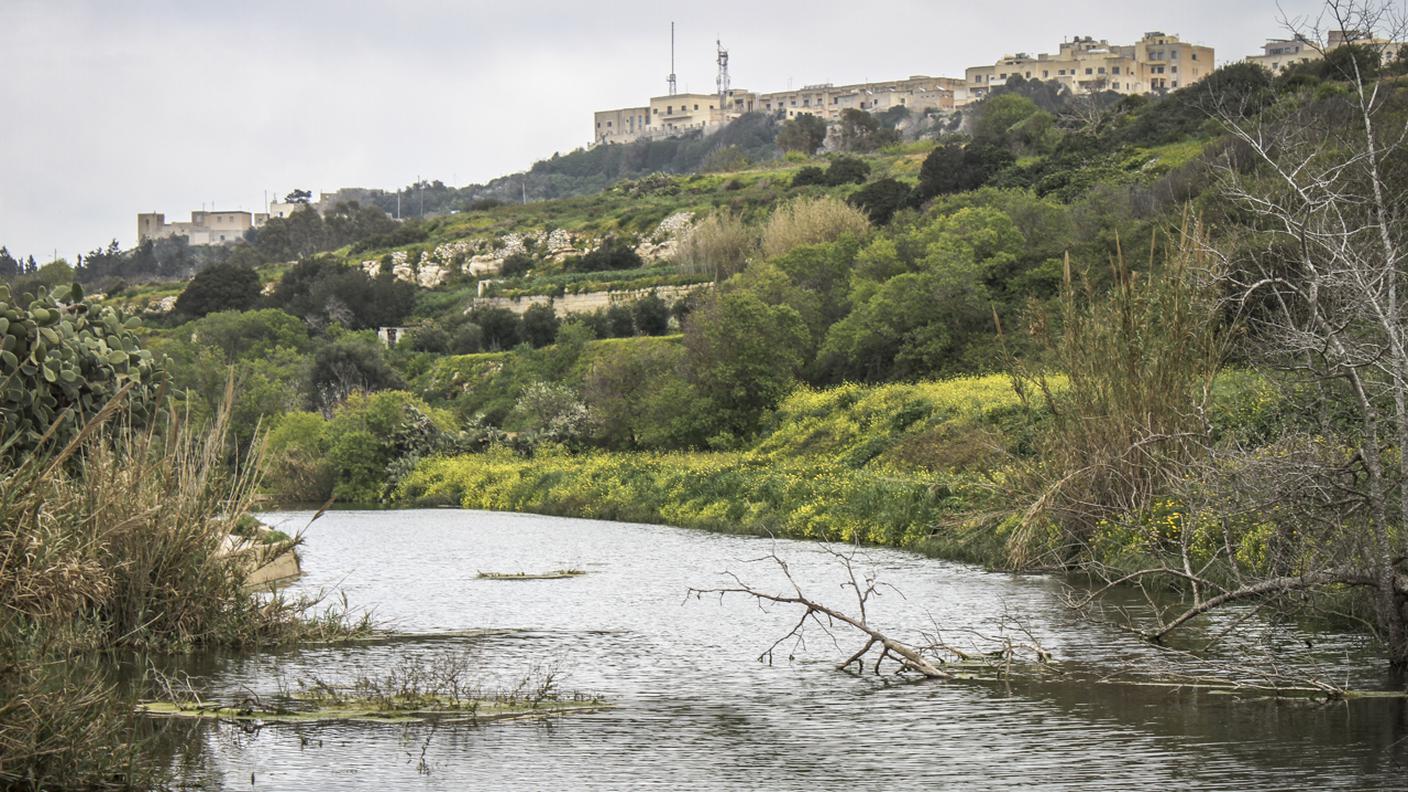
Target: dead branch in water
[925,659]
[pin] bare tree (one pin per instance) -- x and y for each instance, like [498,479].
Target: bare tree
[1319,276]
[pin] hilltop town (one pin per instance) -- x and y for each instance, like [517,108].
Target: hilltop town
[1157,64]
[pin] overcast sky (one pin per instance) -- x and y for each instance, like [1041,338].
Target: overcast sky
[111,108]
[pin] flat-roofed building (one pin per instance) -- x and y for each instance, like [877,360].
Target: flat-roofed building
[220,227]
[1278,55]
[1157,63]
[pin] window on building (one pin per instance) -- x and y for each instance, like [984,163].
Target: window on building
[1195,56]
[1173,69]
[1115,70]
[1101,70]
[696,107]
[1088,70]
[1045,73]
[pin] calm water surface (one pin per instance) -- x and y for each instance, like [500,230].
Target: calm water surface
[694,709]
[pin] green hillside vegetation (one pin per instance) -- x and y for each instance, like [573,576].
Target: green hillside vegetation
[950,343]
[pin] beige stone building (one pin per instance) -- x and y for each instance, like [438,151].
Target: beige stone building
[667,116]
[1157,63]
[1280,54]
[827,101]
[220,227]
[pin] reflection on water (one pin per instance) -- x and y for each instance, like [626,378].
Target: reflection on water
[695,710]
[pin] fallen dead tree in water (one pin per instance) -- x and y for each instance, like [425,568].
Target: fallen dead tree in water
[1011,653]
[928,658]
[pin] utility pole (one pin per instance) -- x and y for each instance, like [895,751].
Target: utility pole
[420,188]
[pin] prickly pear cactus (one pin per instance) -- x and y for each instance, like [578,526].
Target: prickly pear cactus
[58,353]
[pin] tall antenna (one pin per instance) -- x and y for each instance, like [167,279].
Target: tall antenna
[671,79]
[723,74]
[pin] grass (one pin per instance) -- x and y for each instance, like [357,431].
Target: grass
[415,690]
[115,542]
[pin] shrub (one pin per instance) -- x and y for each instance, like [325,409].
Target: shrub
[846,170]
[614,253]
[881,199]
[807,221]
[515,265]
[809,176]
[219,287]
[429,338]
[61,358]
[118,543]
[372,438]
[299,470]
[719,245]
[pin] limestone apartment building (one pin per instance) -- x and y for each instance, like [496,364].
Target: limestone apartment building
[667,116]
[1280,54]
[1157,63]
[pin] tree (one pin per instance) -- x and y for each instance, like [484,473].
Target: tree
[862,131]
[499,328]
[953,168]
[621,390]
[620,321]
[540,325]
[9,265]
[652,315]
[743,356]
[322,290]
[881,199]
[1325,297]
[998,114]
[219,287]
[298,197]
[804,133]
[353,363]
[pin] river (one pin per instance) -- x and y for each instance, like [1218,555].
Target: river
[695,709]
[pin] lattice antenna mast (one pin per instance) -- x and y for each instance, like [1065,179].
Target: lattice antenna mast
[723,74]
[670,80]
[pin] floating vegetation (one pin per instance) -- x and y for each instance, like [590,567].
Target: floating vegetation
[297,709]
[556,574]
[415,691]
